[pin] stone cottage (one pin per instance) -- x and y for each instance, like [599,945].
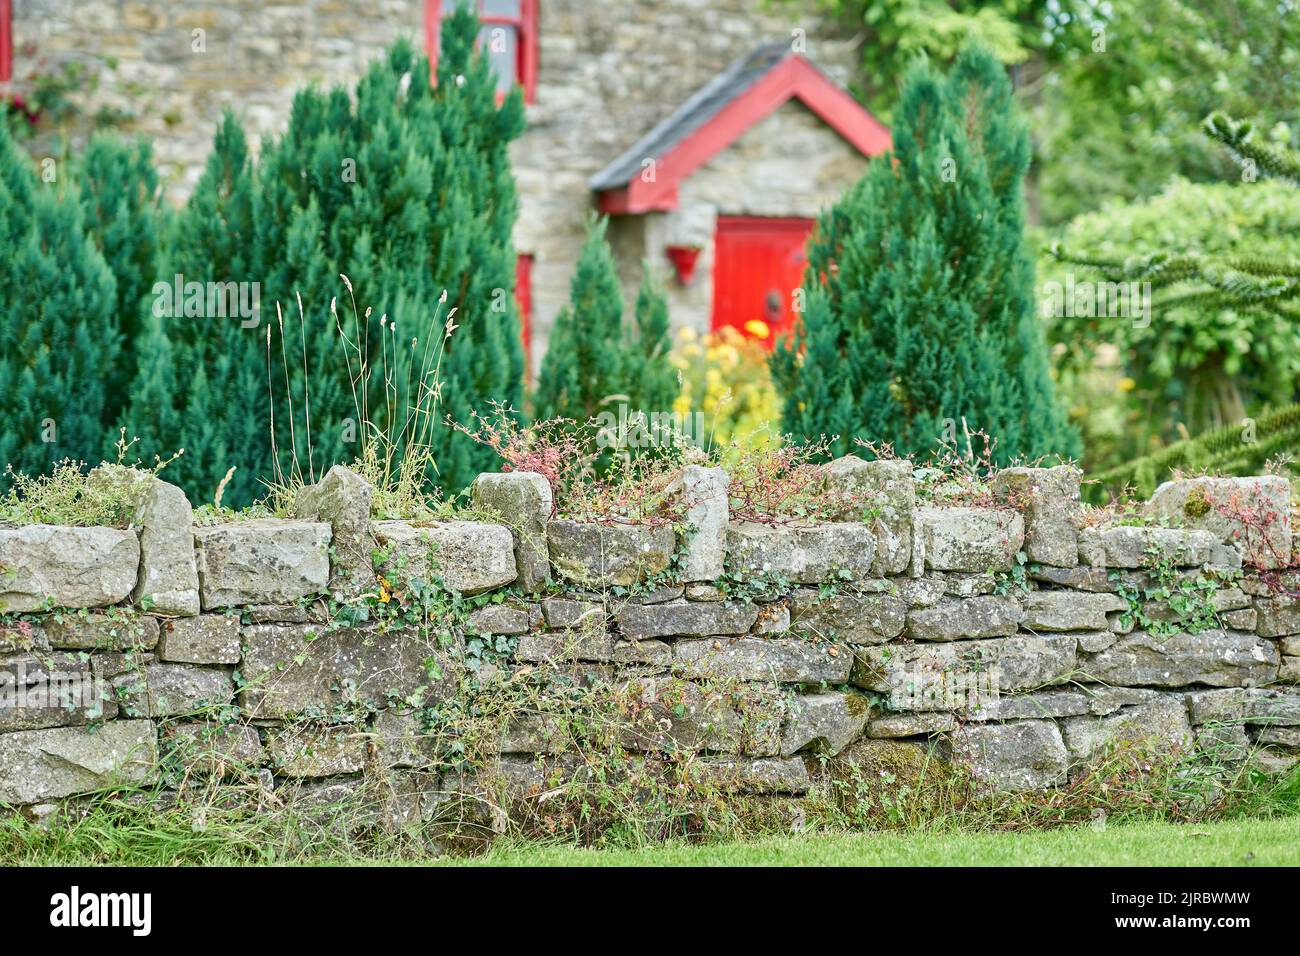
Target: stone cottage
[711,131]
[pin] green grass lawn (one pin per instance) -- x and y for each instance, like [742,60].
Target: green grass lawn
[1235,843]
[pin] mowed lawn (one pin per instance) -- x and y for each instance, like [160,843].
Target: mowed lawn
[1235,843]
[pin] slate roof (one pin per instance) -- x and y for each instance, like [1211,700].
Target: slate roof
[701,107]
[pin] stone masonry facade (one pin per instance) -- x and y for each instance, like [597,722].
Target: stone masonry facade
[1019,639]
[608,73]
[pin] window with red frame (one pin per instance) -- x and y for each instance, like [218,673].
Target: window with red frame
[508,36]
[524,298]
[6,41]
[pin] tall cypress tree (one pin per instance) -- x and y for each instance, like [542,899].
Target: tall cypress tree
[122,201]
[655,385]
[57,320]
[201,380]
[586,359]
[407,190]
[919,310]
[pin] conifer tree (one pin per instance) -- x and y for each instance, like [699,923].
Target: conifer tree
[655,386]
[57,320]
[126,218]
[587,361]
[407,190]
[201,379]
[919,291]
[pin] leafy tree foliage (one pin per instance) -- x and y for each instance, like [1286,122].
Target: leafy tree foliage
[593,359]
[919,313]
[57,319]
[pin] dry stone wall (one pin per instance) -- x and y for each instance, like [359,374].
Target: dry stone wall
[1019,639]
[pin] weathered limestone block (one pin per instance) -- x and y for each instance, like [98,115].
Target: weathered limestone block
[536,733]
[100,632]
[921,592]
[1094,642]
[173,690]
[1278,616]
[849,617]
[824,722]
[1096,580]
[1223,743]
[686,619]
[970,539]
[1223,601]
[1246,619]
[1069,610]
[214,749]
[565,612]
[1019,662]
[1128,546]
[1051,508]
[886,491]
[659,595]
[208,639]
[50,566]
[680,715]
[810,554]
[1216,658]
[1252,513]
[316,751]
[884,767]
[500,619]
[1038,705]
[38,765]
[40,690]
[656,654]
[773,619]
[784,660]
[580,644]
[1246,705]
[913,724]
[292,669]
[971,618]
[704,491]
[403,740]
[468,556]
[261,562]
[19,635]
[967,585]
[352,804]
[763,776]
[1288,671]
[1159,727]
[1281,736]
[343,499]
[168,576]
[595,555]
[704,592]
[524,500]
[1023,755]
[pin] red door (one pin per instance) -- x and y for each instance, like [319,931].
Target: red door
[757,265]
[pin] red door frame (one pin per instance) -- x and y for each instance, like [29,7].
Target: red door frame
[775,236]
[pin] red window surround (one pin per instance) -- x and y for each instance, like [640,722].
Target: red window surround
[518,18]
[6,40]
[524,298]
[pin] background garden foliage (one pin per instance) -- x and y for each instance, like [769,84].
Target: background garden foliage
[429,210]
[920,290]
[595,360]
[920,302]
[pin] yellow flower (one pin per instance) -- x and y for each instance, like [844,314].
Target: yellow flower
[1127,384]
